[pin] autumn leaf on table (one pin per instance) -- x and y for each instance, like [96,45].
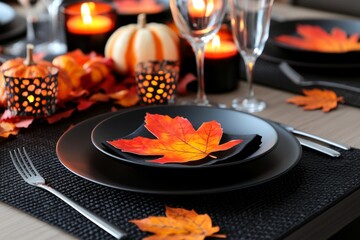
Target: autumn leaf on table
[178,224]
[177,140]
[315,38]
[317,99]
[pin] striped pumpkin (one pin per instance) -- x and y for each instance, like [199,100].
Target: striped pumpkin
[134,43]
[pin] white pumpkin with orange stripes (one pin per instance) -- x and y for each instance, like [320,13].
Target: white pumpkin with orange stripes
[134,43]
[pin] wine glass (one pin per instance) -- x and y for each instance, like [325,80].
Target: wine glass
[54,46]
[19,47]
[198,22]
[250,22]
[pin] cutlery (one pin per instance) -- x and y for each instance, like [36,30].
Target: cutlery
[28,172]
[318,147]
[320,139]
[296,78]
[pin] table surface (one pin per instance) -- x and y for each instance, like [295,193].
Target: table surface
[15,224]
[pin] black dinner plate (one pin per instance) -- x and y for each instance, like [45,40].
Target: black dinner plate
[76,152]
[277,52]
[232,122]
[7,14]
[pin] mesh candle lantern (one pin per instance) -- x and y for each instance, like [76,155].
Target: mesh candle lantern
[157,81]
[31,89]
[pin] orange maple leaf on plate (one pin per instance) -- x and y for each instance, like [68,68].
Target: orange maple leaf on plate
[316,99]
[179,224]
[316,38]
[177,140]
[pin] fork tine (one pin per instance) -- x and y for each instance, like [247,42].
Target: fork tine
[17,164]
[30,162]
[24,163]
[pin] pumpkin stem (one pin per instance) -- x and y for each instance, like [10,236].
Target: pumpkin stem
[29,55]
[141,20]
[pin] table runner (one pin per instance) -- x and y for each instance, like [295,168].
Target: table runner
[268,211]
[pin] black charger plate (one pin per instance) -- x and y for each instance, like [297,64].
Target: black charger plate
[76,152]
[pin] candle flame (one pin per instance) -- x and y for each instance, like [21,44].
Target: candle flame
[86,9]
[209,8]
[198,5]
[215,43]
[202,7]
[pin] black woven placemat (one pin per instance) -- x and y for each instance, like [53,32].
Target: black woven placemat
[268,211]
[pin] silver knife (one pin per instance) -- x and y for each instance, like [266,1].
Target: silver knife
[318,147]
[305,134]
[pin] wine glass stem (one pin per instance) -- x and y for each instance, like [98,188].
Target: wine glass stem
[30,32]
[250,62]
[53,14]
[199,51]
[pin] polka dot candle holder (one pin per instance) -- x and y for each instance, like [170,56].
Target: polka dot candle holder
[157,81]
[32,96]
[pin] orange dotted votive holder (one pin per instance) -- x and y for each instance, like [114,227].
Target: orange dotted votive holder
[33,96]
[157,81]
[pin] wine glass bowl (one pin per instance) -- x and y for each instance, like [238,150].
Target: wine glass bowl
[19,47]
[54,45]
[198,22]
[250,23]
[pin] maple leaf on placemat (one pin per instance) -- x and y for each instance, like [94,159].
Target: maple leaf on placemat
[316,99]
[179,224]
[316,38]
[177,140]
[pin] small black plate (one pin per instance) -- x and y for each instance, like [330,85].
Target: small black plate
[232,122]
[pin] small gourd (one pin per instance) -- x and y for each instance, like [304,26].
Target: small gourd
[27,68]
[134,43]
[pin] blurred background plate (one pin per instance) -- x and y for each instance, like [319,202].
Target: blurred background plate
[7,14]
[13,31]
[289,28]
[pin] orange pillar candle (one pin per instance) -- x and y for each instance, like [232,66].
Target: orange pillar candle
[135,7]
[156,11]
[221,65]
[88,25]
[220,49]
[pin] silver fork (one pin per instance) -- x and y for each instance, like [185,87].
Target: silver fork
[28,172]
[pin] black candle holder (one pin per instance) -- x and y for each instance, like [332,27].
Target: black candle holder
[157,81]
[32,96]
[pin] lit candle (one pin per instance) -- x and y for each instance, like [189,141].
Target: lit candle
[220,48]
[198,8]
[137,7]
[88,25]
[221,65]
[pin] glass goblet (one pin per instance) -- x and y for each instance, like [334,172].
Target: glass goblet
[198,22]
[54,46]
[250,23]
[18,48]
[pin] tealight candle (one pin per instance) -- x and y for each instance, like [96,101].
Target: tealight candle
[156,81]
[88,25]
